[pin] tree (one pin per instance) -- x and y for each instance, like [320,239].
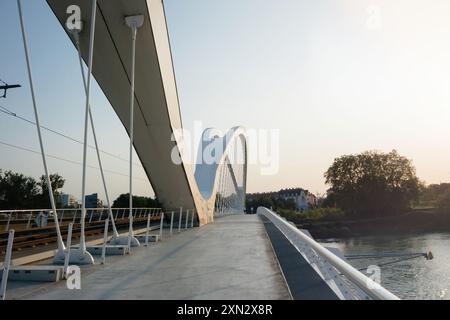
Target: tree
[262,201]
[57,183]
[373,183]
[17,191]
[443,203]
[123,201]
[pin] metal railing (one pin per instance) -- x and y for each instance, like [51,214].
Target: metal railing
[30,218]
[329,266]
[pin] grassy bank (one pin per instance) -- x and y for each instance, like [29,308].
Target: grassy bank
[334,223]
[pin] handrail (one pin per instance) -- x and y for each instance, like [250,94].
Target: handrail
[71,209]
[367,285]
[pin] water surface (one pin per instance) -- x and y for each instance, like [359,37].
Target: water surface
[411,279]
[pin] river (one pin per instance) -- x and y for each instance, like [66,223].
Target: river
[412,279]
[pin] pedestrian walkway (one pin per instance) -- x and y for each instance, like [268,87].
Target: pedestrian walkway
[231,258]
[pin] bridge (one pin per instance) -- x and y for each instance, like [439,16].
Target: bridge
[200,244]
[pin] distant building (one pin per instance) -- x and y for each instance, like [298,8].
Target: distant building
[67,200]
[304,200]
[92,201]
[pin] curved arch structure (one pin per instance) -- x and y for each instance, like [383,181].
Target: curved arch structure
[157,113]
[214,159]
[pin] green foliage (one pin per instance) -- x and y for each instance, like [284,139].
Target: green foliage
[269,202]
[431,196]
[123,201]
[324,214]
[319,214]
[57,183]
[373,183]
[18,191]
[443,203]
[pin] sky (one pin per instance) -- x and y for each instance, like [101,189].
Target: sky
[333,76]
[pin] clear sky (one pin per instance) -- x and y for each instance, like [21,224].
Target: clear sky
[334,76]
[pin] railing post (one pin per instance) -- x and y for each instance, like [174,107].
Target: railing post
[179,221]
[105,239]
[62,217]
[92,213]
[100,215]
[6,265]
[9,220]
[29,220]
[148,229]
[117,214]
[187,218]
[161,226]
[74,216]
[67,256]
[171,223]
[130,233]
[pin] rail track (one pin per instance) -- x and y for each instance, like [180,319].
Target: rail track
[38,237]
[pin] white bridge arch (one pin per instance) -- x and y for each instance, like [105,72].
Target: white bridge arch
[225,174]
[157,112]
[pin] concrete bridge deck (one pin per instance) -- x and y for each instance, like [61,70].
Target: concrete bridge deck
[231,258]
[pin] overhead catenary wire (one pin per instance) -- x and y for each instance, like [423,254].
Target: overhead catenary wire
[15,115]
[64,159]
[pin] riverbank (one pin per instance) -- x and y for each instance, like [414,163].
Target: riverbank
[413,222]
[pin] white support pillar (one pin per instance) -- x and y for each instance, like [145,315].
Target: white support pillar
[187,219]
[6,264]
[60,253]
[192,220]
[76,33]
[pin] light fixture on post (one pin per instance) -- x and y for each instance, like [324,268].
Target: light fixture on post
[134,22]
[81,255]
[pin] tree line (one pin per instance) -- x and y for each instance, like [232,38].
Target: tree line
[18,191]
[371,184]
